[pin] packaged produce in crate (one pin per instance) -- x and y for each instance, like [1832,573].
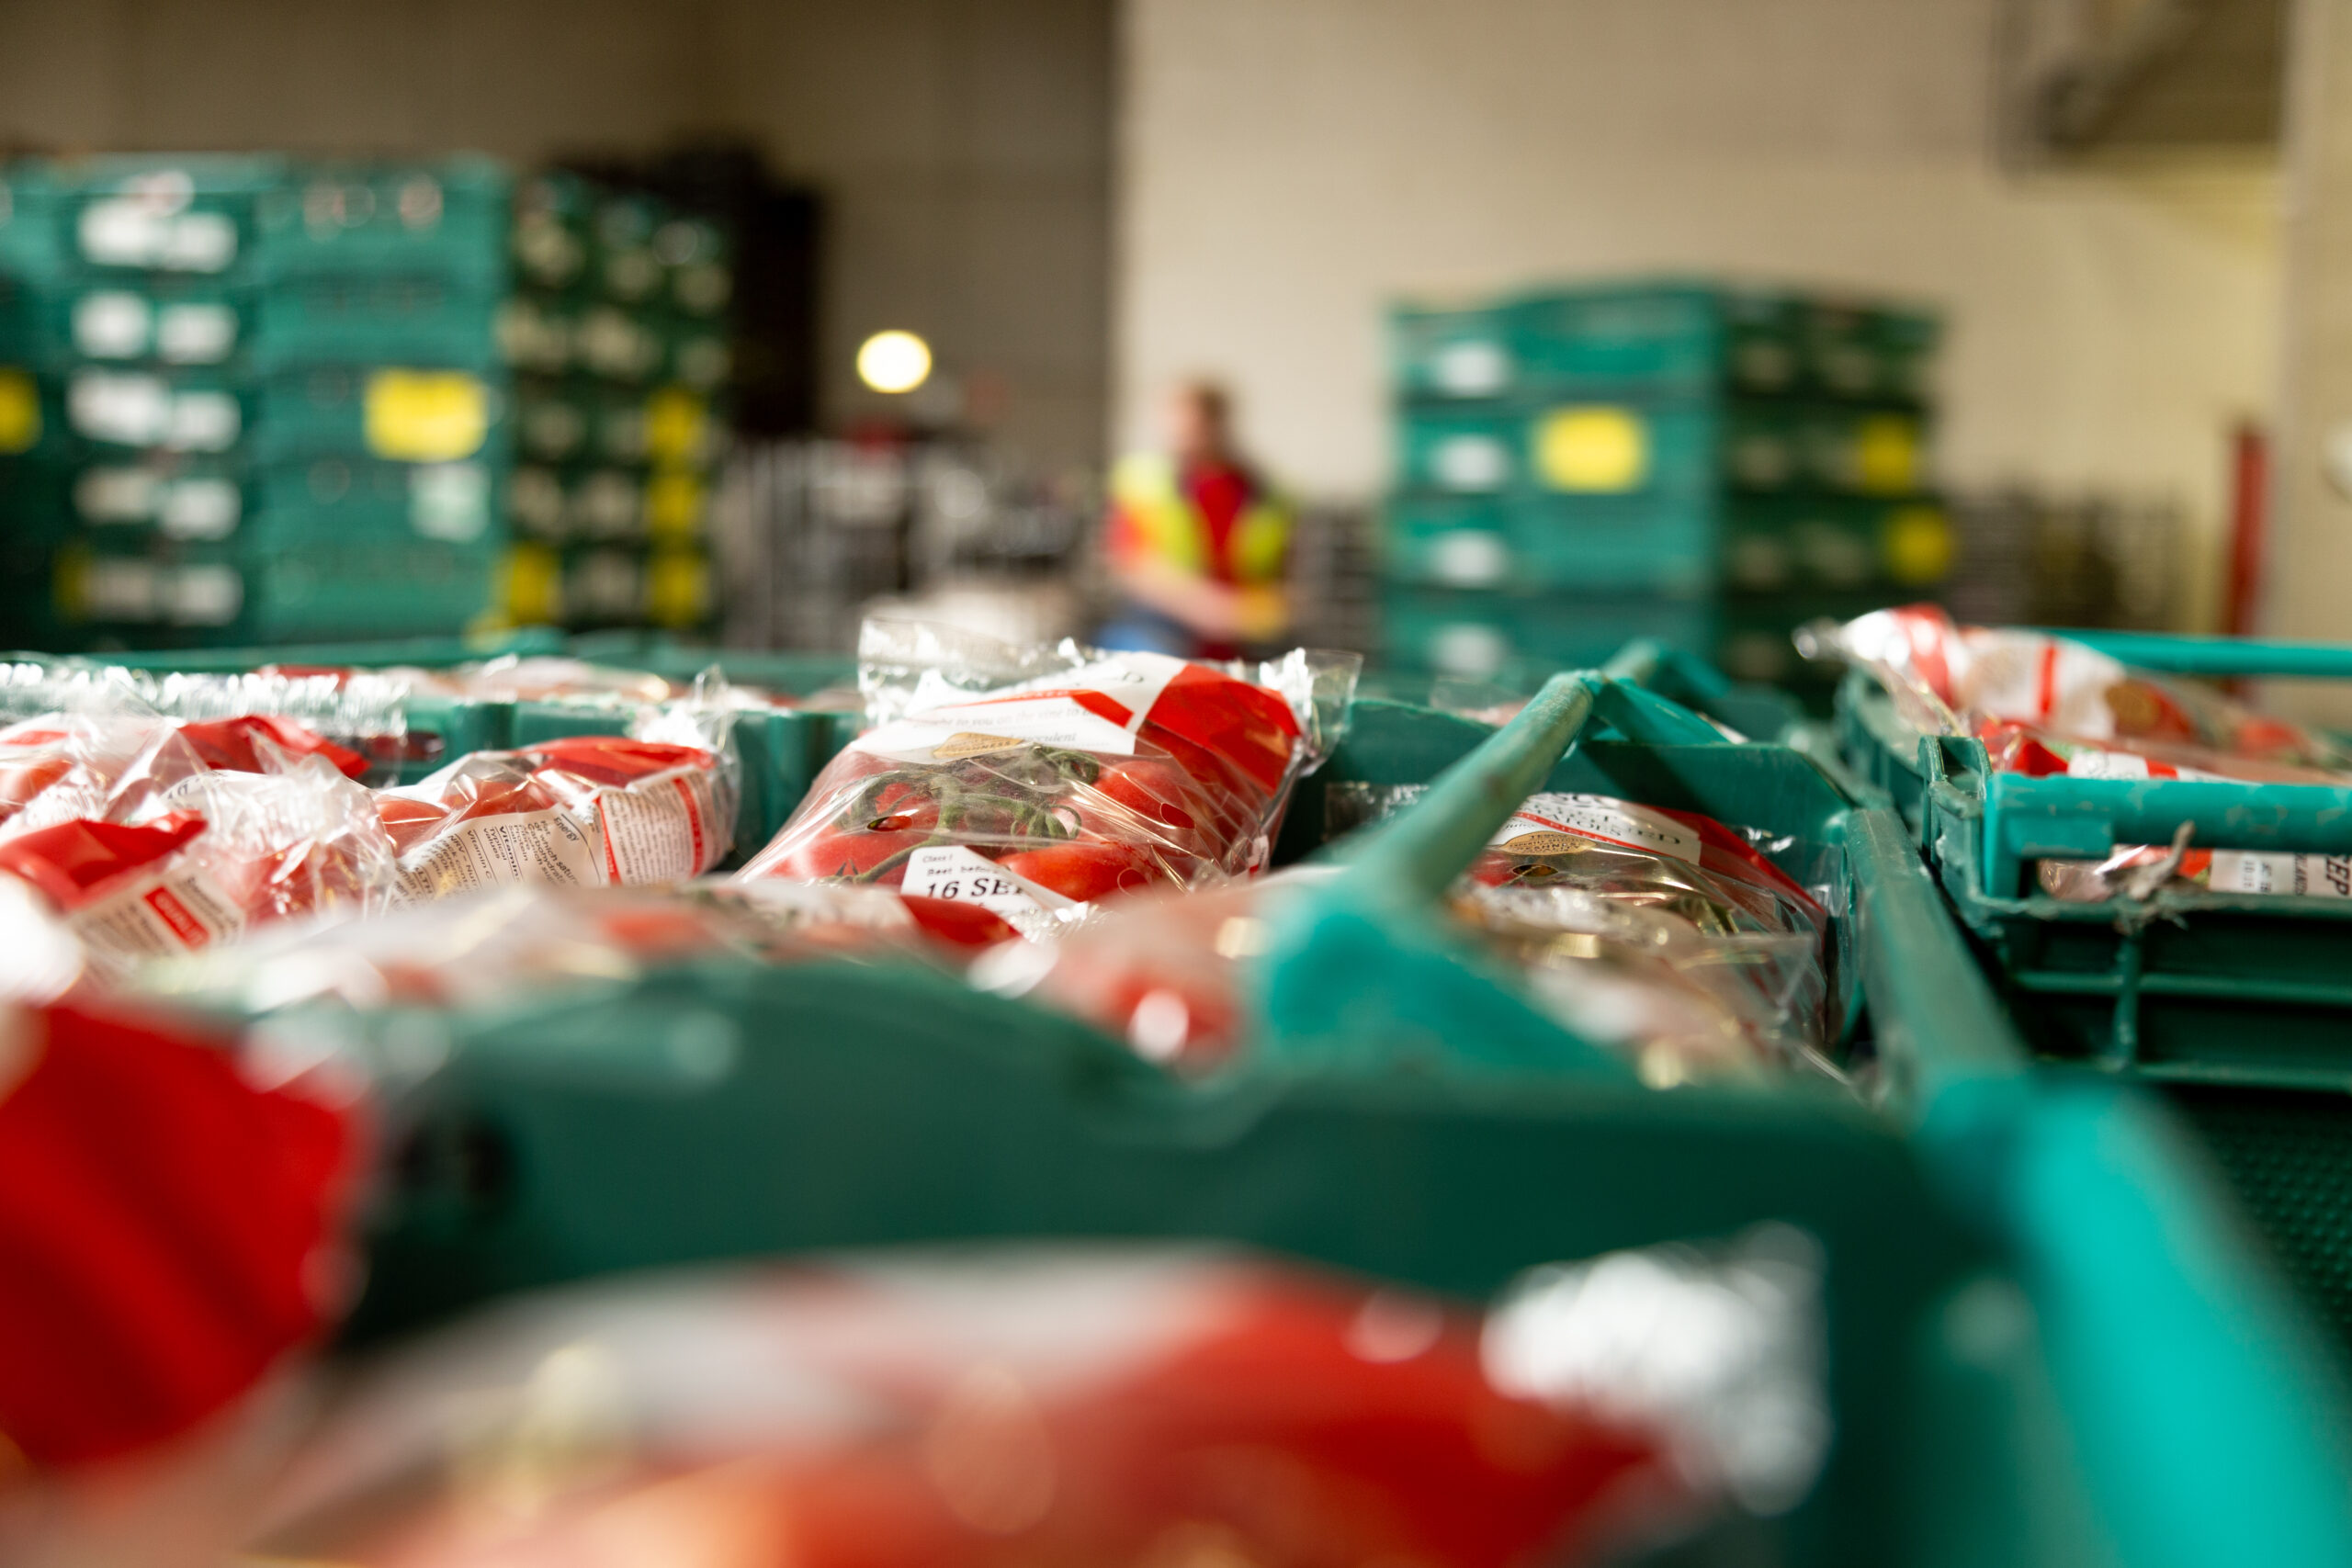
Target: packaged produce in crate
[1663,934]
[1709,955]
[2047,706]
[1078,1405]
[497,945]
[1032,780]
[183,856]
[583,811]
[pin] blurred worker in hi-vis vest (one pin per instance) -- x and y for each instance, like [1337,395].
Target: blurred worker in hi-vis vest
[1196,542]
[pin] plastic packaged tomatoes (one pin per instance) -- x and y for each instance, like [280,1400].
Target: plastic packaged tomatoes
[587,810]
[2047,706]
[191,864]
[497,944]
[1667,934]
[2050,705]
[105,763]
[1086,1405]
[1035,781]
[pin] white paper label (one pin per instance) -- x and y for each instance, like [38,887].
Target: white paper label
[1473,367]
[178,912]
[959,872]
[2087,764]
[200,509]
[525,846]
[2311,877]
[196,334]
[658,831]
[203,422]
[1539,823]
[1044,713]
[1471,463]
[125,409]
[112,325]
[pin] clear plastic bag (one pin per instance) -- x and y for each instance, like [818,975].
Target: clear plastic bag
[362,712]
[1158,970]
[2047,706]
[1055,1407]
[1736,955]
[497,944]
[581,811]
[190,862]
[2050,705]
[1034,781]
[175,1231]
[1681,1005]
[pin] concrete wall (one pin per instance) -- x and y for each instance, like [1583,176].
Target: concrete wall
[1286,169]
[964,148]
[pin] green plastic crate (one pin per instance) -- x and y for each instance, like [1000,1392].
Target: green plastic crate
[166,593]
[280,505]
[1835,543]
[1663,336]
[421,412]
[2046,1343]
[262,218]
[1448,543]
[1491,636]
[325,320]
[2237,1004]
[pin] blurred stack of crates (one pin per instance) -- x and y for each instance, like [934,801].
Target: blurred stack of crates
[1703,465]
[617,335]
[249,399]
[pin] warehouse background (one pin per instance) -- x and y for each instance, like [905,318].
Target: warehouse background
[963,151]
[1284,169]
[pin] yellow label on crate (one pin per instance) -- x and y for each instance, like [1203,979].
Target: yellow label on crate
[20,411]
[676,425]
[69,583]
[674,505]
[532,586]
[427,416]
[1886,454]
[1916,543]
[1593,449]
[677,588]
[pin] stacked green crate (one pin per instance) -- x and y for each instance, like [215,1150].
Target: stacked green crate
[1705,466]
[249,399]
[617,335]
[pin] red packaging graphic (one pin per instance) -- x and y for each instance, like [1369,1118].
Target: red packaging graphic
[583,811]
[1105,773]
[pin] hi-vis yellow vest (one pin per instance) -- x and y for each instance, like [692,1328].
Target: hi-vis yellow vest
[1145,490]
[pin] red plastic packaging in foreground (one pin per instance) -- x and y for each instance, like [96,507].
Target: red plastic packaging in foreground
[167,1230]
[1111,773]
[1020,1408]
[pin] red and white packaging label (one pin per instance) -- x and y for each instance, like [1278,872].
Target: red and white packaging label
[1097,707]
[659,830]
[158,916]
[959,872]
[2035,679]
[2310,876]
[1547,824]
[2090,764]
[549,846]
